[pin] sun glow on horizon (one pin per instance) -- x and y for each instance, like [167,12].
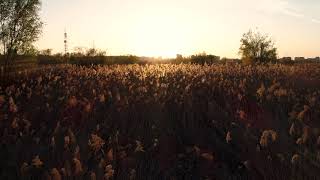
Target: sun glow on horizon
[161,34]
[165,28]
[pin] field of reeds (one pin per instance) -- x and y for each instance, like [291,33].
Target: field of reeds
[163,121]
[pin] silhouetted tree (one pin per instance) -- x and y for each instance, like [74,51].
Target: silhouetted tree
[179,57]
[95,52]
[79,51]
[203,58]
[46,52]
[257,48]
[20,26]
[31,51]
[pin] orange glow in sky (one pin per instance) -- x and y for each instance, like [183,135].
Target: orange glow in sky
[168,27]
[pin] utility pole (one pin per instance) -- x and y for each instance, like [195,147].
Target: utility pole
[65,42]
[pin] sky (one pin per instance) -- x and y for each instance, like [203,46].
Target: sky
[169,27]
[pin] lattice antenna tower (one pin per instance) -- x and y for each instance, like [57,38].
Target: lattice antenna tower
[65,42]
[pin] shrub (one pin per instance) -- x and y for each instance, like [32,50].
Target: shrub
[201,58]
[123,60]
[47,59]
[87,60]
[204,59]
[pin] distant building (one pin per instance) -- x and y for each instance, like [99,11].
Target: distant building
[285,60]
[230,60]
[299,58]
[316,59]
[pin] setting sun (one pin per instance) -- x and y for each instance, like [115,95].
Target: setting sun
[160,34]
[166,28]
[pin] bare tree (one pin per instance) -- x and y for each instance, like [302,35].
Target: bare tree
[20,26]
[257,48]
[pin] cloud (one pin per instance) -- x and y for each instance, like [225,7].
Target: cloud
[293,13]
[288,9]
[315,20]
[279,6]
